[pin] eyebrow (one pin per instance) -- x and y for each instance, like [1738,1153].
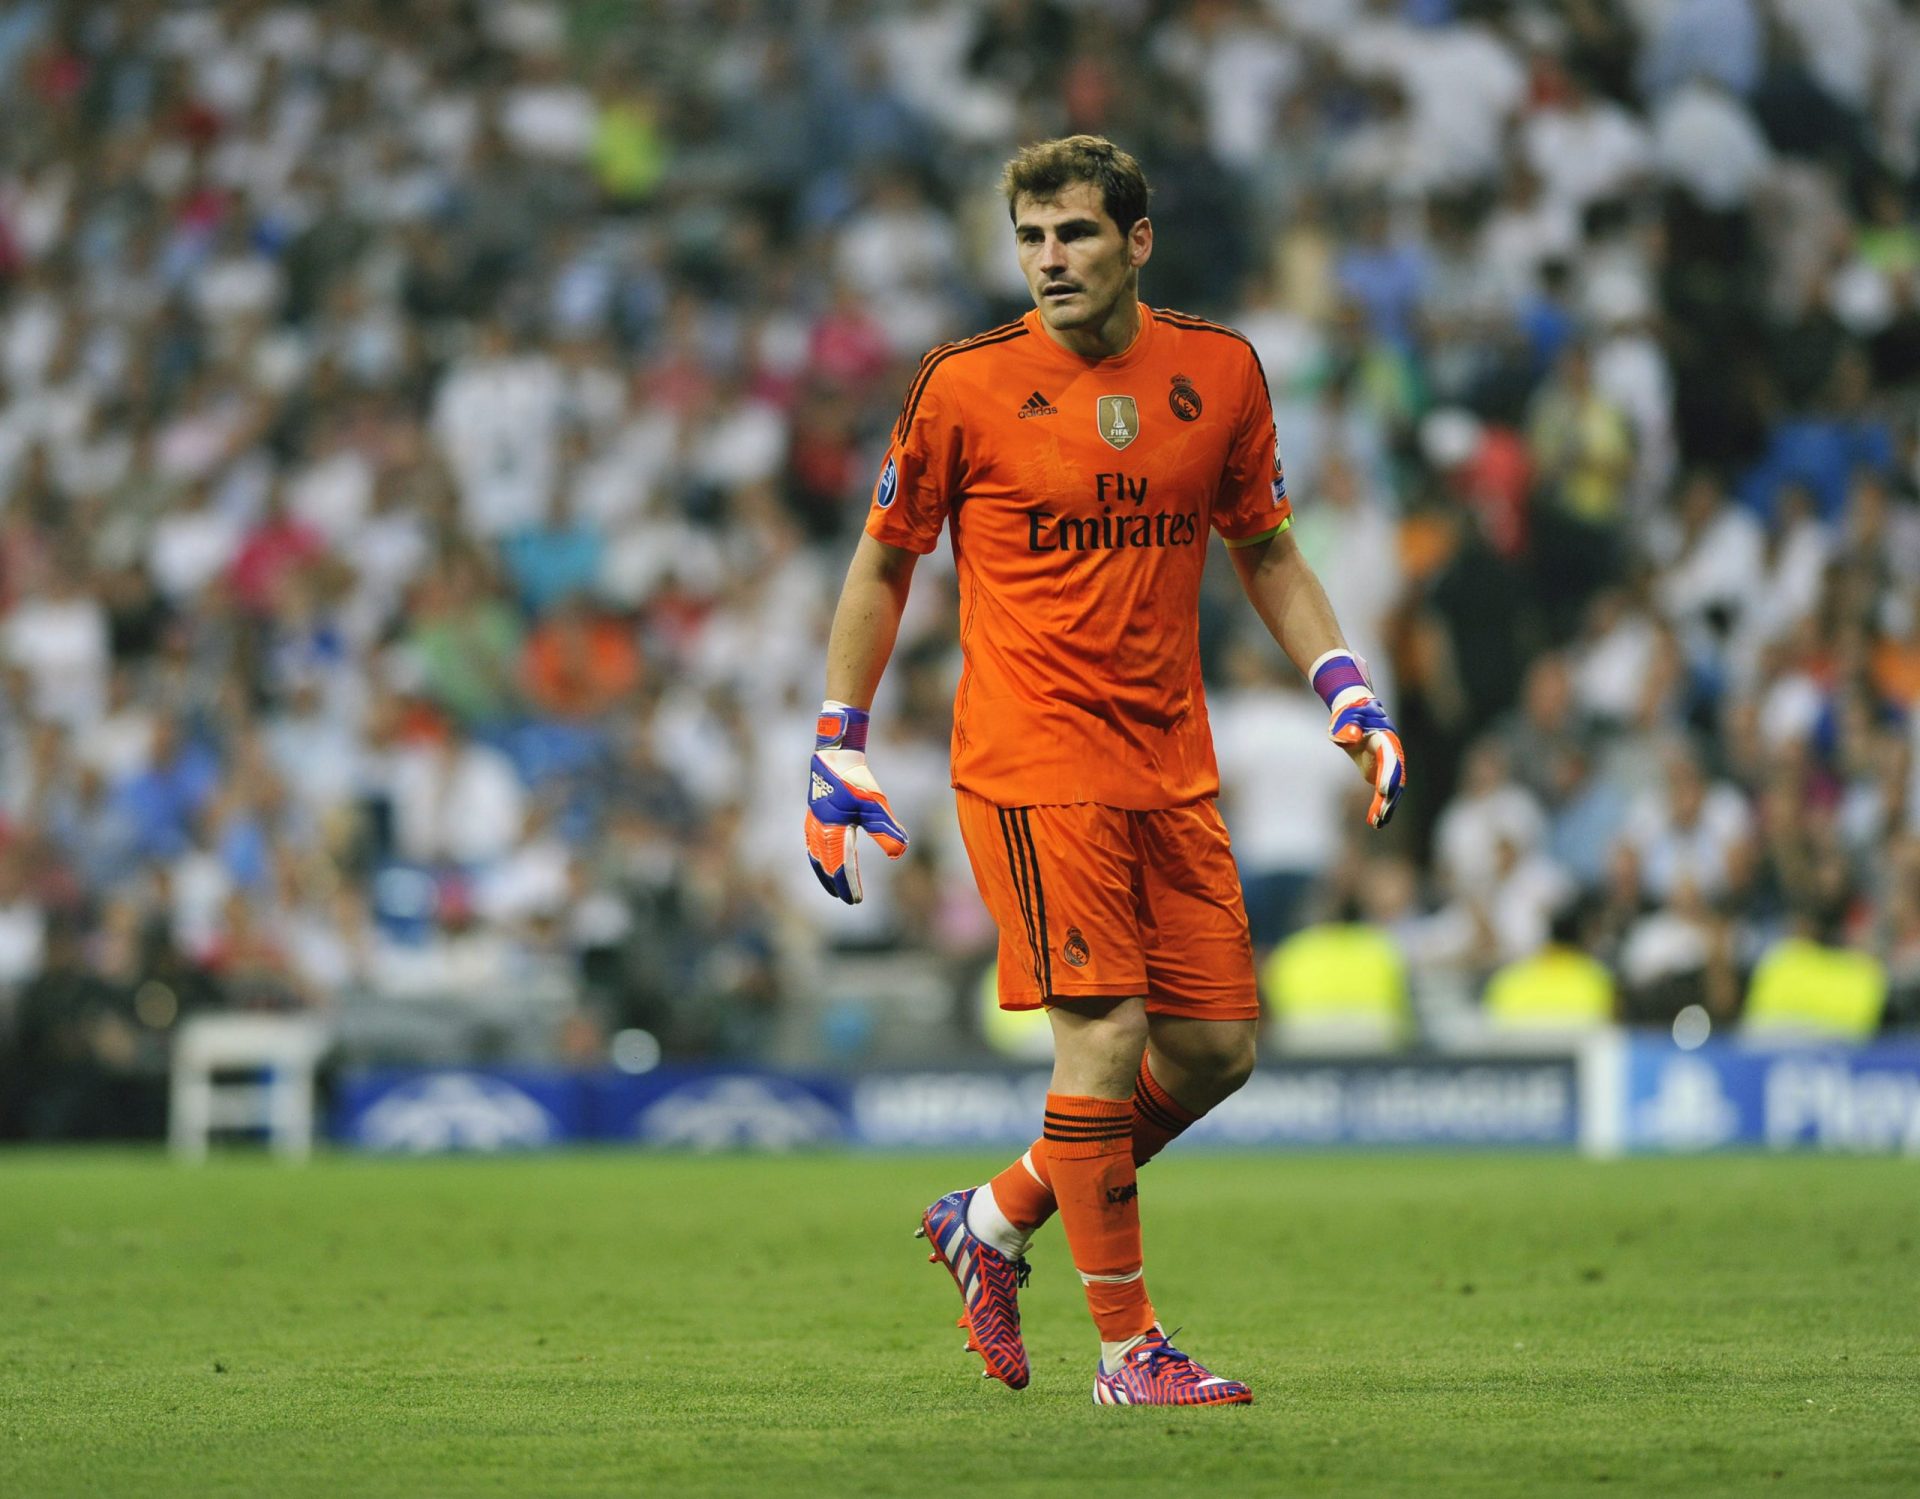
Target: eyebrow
[1027,228]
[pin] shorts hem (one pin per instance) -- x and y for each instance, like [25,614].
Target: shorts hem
[1035,1000]
[1157,1004]
[1205,1009]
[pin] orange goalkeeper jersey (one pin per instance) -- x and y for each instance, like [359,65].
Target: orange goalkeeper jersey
[1079,493]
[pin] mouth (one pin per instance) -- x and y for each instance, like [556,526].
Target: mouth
[1059,291]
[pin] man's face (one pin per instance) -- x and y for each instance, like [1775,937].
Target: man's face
[1077,262]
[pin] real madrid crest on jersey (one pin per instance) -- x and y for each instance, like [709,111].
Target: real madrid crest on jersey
[1119,419]
[1184,399]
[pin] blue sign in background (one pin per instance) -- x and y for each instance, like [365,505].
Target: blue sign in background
[1430,1102]
[1631,1094]
[419,1111]
[708,1109]
[1731,1096]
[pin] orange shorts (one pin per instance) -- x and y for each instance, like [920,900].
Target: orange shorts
[1094,900]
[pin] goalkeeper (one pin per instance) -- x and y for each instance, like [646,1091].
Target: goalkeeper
[1080,457]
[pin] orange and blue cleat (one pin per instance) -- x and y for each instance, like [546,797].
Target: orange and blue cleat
[1154,1372]
[989,1283]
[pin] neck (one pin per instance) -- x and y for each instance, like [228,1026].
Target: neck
[1113,334]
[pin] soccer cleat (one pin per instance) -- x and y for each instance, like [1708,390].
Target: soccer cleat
[1157,1373]
[989,1285]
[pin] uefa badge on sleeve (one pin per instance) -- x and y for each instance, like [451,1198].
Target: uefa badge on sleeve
[888,486]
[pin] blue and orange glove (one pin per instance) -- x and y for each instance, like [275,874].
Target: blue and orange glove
[843,798]
[1361,728]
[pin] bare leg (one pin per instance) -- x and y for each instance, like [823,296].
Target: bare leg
[1097,1045]
[1200,1062]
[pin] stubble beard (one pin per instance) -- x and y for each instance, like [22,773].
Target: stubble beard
[1089,314]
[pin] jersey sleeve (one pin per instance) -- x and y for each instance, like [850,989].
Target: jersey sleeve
[915,488]
[1251,504]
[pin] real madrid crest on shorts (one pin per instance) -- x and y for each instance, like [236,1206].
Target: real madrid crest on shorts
[1184,399]
[1119,419]
[1075,949]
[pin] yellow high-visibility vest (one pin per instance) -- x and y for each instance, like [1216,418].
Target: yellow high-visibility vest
[1805,988]
[1555,987]
[1337,972]
[1022,1035]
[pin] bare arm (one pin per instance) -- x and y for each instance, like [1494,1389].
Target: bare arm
[843,797]
[1293,606]
[867,620]
[1288,598]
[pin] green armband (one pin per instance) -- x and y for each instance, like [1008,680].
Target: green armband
[1247,541]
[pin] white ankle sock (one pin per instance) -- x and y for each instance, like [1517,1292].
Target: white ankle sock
[988,1224]
[1112,1353]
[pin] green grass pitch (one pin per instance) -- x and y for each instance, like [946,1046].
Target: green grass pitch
[634,1324]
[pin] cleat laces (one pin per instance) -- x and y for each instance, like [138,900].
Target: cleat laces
[1168,1362]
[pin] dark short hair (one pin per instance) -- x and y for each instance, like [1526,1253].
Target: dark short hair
[1046,169]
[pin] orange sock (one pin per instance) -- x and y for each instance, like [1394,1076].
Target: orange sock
[1157,1116]
[1090,1154]
[1024,1191]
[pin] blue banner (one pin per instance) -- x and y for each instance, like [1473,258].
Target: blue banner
[423,1111]
[694,1108]
[1864,1100]
[1500,1101]
[1625,1094]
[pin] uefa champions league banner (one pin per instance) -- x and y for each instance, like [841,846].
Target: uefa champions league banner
[1646,1095]
[1621,1094]
[424,1111]
[1503,1101]
[427,1110]
[1495,1102]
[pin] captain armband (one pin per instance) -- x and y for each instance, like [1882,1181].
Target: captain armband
[1234,544]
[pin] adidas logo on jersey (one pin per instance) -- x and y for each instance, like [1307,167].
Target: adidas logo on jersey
[1038,405]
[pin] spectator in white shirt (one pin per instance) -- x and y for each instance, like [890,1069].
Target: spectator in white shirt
[1286,798]
[1717,562]
[454,801]
[1490,809]
[1692,832]
[194,542]
[58,633]
[1583,146]
[1706,142]
[497,420]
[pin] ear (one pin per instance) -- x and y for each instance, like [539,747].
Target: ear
[1139,242]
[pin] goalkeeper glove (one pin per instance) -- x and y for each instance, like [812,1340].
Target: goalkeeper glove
[843,798]
[1361,726]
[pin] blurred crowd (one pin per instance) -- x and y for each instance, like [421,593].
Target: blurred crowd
[431,436]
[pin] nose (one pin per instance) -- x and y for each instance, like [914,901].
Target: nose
[1053,254]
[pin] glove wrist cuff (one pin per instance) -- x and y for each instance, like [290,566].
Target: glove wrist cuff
[840,726]
[1340,677]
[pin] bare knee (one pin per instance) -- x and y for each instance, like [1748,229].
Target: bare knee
[1201,1062]
[1231,1064]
